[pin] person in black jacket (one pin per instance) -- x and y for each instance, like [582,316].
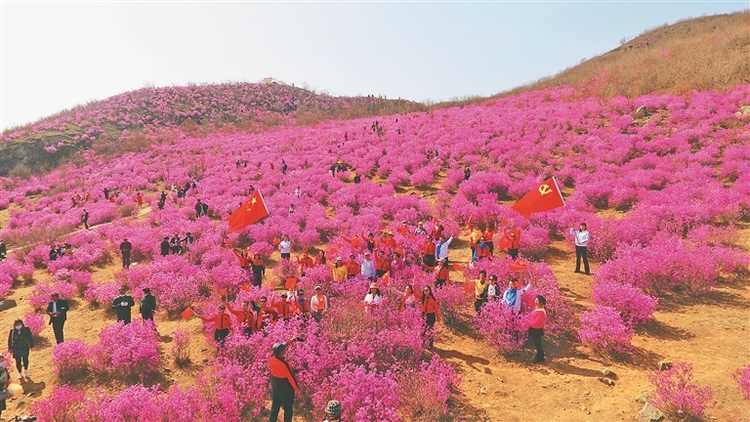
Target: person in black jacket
[85,219]
[125,248]
[3,250]
[122,305]
[198,209]
[165,246]
[148,305]
[20,342]
[58,314]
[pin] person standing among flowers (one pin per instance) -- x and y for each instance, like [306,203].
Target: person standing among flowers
[512,239]
[122,304]
[338,269]
[285,247]
[222,323]
[57,310]
[259,269]
[4,380]
[284,385]
[430,312]
[245,317]
[480,292]
[318,304]
[373,298]
[125,248]
[147,305]
[535,322]
[20,342]
[582,242]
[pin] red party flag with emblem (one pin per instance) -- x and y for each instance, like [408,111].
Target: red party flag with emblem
[544,197]
[519,265]
[249,213]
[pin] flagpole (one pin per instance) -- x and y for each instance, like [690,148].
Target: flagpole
[264,203]
[559,192]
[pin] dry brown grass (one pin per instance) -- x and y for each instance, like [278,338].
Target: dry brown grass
[700,54]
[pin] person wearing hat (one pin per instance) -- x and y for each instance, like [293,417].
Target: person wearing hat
[283,383]
[122,304]
[301,303]
[338,269]
[57,310]
[20,342]
[367,266]
[373,297]
[318,304]
[420,229]
[333,411]
[147,305]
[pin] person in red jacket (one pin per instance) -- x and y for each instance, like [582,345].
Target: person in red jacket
[382,264]
[535,322]
[245,317]
[352,267]
[222,323]
[442,273]
[284,385]
[265,314]
[305,262]
[430,312]
[512,237]
[427,250]
[284,308]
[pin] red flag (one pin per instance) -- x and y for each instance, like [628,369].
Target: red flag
[457,267]
[291,283]
[519,265]
[468,288]
[222,292]
[187,313]
[545,197]
[249,213]
[245,287]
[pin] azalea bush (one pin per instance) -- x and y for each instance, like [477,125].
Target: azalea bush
[71,359]
[129,350]
[742,375]
[678,395]
[604,331]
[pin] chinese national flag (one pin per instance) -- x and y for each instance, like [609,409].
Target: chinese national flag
[545,197]
[249,213]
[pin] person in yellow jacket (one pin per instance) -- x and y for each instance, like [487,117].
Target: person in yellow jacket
[338,268]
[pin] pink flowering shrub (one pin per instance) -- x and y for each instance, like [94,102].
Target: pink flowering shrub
[678,395]
[502,328]
[71,359]
[62,405]
[634,306]
[364,395]
[130,350]
[742,375]
[41,295]
[36,321]
[603,330]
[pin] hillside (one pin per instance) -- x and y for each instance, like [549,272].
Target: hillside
[194,109]
[664,189]
[708,53]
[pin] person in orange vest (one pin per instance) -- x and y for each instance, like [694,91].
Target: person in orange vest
[284,385]
[352,267]
[305,262]
[284,308]
[512,237]
[265,314]
[222,323]
[382,264]
[437,232]
[442,273]
[403,229]
[245,317]
[430,312]
[489,235]
[318,304]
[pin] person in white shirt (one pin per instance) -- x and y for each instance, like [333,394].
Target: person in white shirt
[285,246]
[318,304]
[513,296]
[373,297]
[582,242]
[367,266]
[441,250]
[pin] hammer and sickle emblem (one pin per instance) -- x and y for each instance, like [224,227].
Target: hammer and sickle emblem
[544,189]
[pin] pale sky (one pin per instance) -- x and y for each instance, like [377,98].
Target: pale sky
[55,55]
